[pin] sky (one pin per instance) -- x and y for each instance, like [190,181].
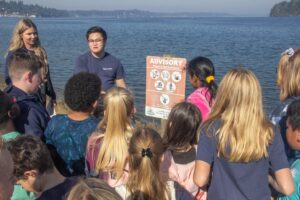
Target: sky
[235,7]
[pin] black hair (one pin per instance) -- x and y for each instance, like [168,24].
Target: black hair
[182,126]
[293,114]
[8,109]
[96,29]
[29,153]
[202,67]
[81,91]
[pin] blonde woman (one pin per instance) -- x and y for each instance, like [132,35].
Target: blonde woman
[25,39]
[289,91]
[239,145]
[107,148]
[145,181]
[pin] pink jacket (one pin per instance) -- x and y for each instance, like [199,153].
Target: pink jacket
[200,98]
[93,149]
[181,173]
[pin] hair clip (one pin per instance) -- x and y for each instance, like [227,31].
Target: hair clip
[209,79]
[146,152]
[290,52]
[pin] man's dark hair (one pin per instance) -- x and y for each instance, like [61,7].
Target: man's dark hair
[22,62]
[96,29]
[29,153]
[81,91]
[293,114]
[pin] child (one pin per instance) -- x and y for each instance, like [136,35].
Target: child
[35,171]
[283,64]
[6,172]
[93,189]
[239,145]
[107,147]
[180,138]
[289,91]
[8,111]
[202,78]
[145,180]
[25,72]
[68,134]
[293,139]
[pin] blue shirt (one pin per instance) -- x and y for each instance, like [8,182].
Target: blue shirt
[60,191]
[33,118]
[107,68]
[239,181]
[69,137]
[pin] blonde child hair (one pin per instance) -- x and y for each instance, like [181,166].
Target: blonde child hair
[145,153]
[245,129]
[119,106]
[290,78]
[92,189]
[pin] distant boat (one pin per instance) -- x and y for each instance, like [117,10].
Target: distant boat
[32,16]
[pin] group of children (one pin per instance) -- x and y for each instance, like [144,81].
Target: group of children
[219,144]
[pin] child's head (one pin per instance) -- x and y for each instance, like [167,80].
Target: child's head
[25,71]
[119,107]
[283,63]
[118,104]
[244,129]
[6,172]
[290,78]
[202,74]
[82,92]
[293,125]
[92,189]
[145,153]
[32,161]
[182,126]
[8,110]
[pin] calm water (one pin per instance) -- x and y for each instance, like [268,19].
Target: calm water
[253,42]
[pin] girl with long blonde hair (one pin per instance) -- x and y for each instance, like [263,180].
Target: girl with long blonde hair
[289,77]
[25,38]
[145,181]
[239,145]
[107,148]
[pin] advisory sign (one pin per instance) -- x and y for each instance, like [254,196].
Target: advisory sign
[165,85]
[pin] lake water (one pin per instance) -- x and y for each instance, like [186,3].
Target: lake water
[253,42]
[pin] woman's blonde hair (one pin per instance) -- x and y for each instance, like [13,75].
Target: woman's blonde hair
[17,42]
[291,77]
[245,132]
[145,153]
[92,189]
[119,106]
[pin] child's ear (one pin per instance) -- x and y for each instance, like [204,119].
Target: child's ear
[28,76]
[298,135]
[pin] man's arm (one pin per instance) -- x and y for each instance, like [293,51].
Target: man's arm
[121,83]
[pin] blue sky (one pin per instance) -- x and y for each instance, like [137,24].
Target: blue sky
[236,7]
